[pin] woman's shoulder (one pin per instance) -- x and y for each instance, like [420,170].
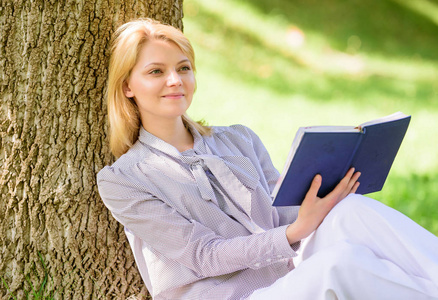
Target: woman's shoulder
[136,154]
[238,131]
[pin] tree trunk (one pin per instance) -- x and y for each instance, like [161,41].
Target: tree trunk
[56,234]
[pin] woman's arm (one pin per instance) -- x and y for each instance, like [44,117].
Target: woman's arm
[270,173]
[187,241]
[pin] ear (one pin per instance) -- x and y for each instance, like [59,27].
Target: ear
[127,91]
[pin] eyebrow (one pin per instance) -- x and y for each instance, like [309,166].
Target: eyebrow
[162,64]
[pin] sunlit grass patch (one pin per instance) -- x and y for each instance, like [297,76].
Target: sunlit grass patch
[415,195]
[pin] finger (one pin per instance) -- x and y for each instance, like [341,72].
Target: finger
[350,186]
[349,174]
[355,187]
[343,184]
[357,175]
[353,180]
[314,187]
[347,178]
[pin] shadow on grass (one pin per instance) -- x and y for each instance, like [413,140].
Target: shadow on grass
[385,27]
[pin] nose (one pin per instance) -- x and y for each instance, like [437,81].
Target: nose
[174,79]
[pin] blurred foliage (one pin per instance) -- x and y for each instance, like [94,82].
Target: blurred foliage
[275,65]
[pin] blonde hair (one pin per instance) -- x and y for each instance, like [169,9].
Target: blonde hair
[123,114]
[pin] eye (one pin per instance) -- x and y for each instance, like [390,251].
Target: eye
[155,71]
[185,68]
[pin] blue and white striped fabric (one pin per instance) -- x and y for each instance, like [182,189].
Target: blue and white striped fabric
[200,222]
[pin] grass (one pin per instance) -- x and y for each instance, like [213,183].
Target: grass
[38,291]
[39,285]
[276,65]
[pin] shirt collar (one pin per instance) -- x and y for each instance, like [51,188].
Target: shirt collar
[235,173]
[153,141]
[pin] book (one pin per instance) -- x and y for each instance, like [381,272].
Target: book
[332,150]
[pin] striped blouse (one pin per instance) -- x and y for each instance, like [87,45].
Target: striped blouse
[200,222]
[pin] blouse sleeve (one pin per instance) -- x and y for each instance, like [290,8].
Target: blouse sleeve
[269,171]
[183,240]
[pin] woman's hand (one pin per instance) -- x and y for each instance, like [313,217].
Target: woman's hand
[314,209]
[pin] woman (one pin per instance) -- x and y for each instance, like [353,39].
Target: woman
[196,206]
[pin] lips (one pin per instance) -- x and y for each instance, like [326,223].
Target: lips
[173,96]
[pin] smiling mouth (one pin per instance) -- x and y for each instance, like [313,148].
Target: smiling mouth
[173,96]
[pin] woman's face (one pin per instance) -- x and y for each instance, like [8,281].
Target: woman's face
[162,82]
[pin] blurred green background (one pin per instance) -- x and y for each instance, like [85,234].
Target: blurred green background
[276,65]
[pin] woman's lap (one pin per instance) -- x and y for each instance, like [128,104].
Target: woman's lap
[366,248]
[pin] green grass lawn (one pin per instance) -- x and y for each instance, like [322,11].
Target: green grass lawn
[276,65]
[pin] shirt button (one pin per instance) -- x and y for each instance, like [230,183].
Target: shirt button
[279,256]
[257,265]
[269,260]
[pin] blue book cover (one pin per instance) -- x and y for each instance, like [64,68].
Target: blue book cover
[332,150]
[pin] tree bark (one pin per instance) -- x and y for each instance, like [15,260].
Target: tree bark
[56,234]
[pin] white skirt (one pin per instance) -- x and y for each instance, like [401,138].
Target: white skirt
[362,250]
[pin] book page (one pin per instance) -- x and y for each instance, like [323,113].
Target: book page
[395,116]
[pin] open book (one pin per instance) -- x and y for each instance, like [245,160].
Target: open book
[332,150]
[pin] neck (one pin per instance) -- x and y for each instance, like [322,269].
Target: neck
[172,132]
